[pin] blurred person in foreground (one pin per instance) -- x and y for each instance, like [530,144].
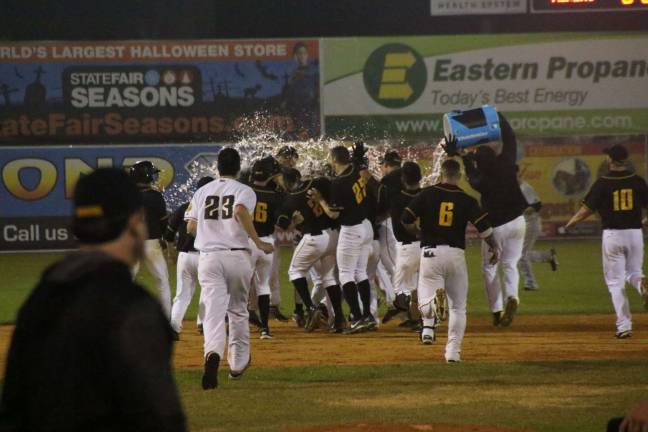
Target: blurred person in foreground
[92,349]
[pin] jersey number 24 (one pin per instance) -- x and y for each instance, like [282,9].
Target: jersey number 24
[214,211]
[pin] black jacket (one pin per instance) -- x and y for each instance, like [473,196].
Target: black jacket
[91,351]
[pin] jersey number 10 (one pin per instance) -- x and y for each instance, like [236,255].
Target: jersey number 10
[622,199]
[214,212]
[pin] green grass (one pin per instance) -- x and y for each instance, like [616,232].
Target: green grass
[577,287]
[540,396]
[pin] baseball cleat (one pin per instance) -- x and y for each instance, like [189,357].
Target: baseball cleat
[200,329]
[175,336]
[370,323]
[428,336]
[210,374]
[453,359]
[439,305]
[497,318]
[509,311]
[312,319]
[530,288]
[254,319]
[237,375]
[356,327]
[299,319]
[390,314]
[265,334]
[402,302]
[276,314]
[623,334]
[553,261]
[644,292]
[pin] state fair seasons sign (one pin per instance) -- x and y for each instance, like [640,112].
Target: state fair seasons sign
[416,78]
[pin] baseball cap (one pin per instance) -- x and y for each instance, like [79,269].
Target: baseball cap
[103,202]
[391,157]
[265,168]
[288,151]
[617,153]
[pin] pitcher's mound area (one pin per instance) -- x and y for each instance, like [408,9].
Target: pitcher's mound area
[404,427]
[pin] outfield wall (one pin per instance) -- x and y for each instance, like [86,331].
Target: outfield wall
[68,107]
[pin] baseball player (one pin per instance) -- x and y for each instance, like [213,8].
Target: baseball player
[314,250]
[220,216]
[287,156]
[408,250]
[444,211]
[145,174]
[533,230]
[390,169]
[619,198]
[347,206]
[494,177]
[265,173]
[187,264]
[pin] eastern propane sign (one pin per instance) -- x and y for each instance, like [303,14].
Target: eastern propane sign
[158,91]
[376,86]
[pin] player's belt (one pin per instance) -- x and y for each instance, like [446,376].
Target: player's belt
[315,233]
[238,249]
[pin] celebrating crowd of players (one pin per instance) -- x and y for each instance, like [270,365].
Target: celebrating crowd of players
[355,233]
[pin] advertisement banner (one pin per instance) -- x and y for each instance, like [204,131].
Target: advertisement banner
[547,84]
[477,7]
[38,185]
[157,91]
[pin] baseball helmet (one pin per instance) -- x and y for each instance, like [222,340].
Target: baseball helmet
[144,172]
[265,168]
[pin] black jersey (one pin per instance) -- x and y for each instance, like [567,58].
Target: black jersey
[618,197]
[178,225]
[348,195]
[398,202]
[390,185]
[156,212]
[444,211]
[315,220]
[267,207]
[91,351]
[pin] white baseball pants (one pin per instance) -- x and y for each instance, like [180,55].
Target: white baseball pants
[308,254]
[275,286]
[353,249]
[444,267]
[225,280]
[408,257]
[509,239]
[262,267]
[387,246]
[155,263]
[622,262]
[533,231]
[186,281]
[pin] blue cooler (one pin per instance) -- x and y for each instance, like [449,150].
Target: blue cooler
[473,127]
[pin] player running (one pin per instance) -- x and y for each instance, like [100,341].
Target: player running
[444,211]
[219,215]
[619,198]
[347,206]
[145,174]
[265,173]
[187,264]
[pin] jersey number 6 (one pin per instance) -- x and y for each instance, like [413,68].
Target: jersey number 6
[445,214]
[214,212]
[261,212]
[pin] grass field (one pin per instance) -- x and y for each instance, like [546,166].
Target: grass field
[299,381]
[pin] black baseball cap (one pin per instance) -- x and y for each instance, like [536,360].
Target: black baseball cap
[103,202]
[617,153]
[265,168]
[288,151]
[391,157]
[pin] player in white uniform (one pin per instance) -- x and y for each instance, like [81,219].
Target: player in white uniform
[533,231]
[187,264]
[220,216]
[444,211]
[619,198]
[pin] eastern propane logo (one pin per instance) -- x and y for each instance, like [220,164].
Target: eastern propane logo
[395,75]
[105,87]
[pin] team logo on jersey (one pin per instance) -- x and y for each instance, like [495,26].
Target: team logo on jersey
[395,75]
